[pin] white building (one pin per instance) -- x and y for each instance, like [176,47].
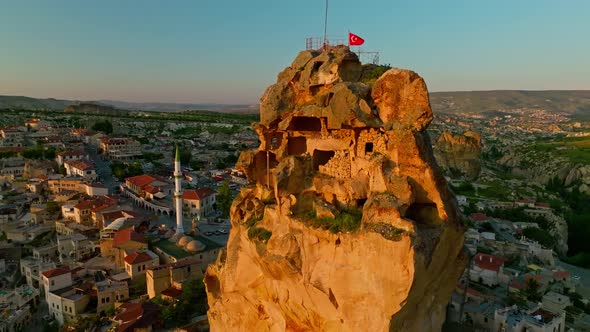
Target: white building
[199,203]
[80,168]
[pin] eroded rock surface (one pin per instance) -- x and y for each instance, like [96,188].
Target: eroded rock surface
[460,154]
[346,224]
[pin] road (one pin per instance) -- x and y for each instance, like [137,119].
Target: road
[103,168]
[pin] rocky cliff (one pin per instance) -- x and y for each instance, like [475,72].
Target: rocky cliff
[346,224]
[459,154]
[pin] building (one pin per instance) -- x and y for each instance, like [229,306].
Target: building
[124,241]
[486,269]
[71,155]
[108,292]
[31,268]
[83,211]
[198,203]
[120,149]
[137,262]
[555,302]
[16,307]
[81,168]
[173,275]
[149,186]
[75,247]
[11,137]
[513,319]
[134,317]
[56,278]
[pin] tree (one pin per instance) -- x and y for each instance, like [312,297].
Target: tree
[224,198]
[105,126]
[532,290]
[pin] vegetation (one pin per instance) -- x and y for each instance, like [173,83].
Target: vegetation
[151,156]
[371,72]
[39,152]
[260,234]
[347,221]
[7,154]
[539,235]
[574,149]
[105,126]
[125,170]
[42,239]
[386,230]
[224,198]
[192,302]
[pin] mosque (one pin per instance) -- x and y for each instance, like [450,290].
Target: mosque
[178,246]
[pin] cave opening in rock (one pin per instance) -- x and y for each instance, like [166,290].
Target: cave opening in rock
[361,202]
[317,65]
[368,147]
[305,123]
[296,145]
[423,213]
[321,157]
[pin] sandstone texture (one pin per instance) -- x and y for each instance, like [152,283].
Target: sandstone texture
[346,224]
[459,154]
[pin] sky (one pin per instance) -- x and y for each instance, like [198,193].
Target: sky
[205,51]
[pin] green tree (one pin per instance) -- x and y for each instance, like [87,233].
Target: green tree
[532,290]
[105,126]
[539,235]
[224,198]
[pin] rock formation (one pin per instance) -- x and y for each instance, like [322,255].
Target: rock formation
[459,154]
[346,224]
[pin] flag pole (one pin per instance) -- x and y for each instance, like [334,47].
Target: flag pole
[326,27]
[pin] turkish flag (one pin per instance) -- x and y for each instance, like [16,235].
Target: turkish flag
[354,40]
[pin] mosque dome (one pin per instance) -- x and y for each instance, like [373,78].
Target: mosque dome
[117,224]
[184,241]
[194,246]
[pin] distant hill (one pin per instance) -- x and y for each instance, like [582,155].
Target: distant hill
[573,102]
[93,108]
[561,101]
[21,102]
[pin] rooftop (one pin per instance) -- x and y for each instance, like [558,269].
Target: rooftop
[198,194]
[56,272]
[126,235]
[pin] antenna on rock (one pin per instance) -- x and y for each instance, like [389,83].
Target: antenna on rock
[326,27]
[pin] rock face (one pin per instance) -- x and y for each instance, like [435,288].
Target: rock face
[346,224]
[459,153]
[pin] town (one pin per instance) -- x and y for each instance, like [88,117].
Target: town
[91,236]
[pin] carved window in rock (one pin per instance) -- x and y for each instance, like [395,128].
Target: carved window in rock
[321,157]
[296,145]
[368,147]
[305,123]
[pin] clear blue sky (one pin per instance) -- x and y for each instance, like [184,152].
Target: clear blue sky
[229,51]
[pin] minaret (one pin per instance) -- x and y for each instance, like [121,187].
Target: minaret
[178,193]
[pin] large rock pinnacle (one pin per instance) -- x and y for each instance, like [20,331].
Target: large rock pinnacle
[347,224]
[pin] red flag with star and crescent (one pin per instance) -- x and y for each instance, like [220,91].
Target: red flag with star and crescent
[354,40]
